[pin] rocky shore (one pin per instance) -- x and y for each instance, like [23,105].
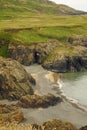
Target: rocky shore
[54,124]
[10,114]
[54,55]
[14,80]
[17,84]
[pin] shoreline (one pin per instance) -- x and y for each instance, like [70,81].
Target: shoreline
[47,81]
[69,106]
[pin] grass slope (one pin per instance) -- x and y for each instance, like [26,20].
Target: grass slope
[24,21]
[43,28]
[10,9]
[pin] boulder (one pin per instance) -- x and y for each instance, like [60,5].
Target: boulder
[14,80]
[36,101]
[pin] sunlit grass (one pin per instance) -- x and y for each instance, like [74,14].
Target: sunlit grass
[42,28]
[29,37]
[43,21]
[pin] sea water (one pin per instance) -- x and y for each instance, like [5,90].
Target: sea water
[74,85]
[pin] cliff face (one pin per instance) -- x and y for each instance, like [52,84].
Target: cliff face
[14,80]
[65,59]
[68,57]
[35,53]
[53,55]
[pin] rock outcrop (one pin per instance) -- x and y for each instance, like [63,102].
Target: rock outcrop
[77,40]
[53,55]
[67,58]
[54,124]
[14,80]
[10,114]
[35,53]
[36,101]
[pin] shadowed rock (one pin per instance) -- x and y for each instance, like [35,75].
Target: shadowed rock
[36,101]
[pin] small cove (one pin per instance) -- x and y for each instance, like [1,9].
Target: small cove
[49,82]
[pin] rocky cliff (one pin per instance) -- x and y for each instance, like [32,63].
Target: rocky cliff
[14,80]
[53,55]
[67,58]
[35,53]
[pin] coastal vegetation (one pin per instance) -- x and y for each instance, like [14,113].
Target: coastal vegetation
[35,29]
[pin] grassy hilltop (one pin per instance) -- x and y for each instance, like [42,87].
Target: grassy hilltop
[10,9]
[33,21]
[42,28]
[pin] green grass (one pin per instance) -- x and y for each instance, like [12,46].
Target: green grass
[24,20]
[47,31]
[42,28]
[63,32]
[3,51]
[32,6]
[5,36]
[28,37]
[4,40]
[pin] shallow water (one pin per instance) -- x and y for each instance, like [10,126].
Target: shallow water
[74,85]
[48,82]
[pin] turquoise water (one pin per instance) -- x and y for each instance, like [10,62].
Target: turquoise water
[74,85]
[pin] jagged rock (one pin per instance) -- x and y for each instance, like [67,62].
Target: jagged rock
[54,55]
[35,53]
[36,101]
[78,40]
[16,116]
[10,114]
[14,80]
[7,108]
[67,58]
